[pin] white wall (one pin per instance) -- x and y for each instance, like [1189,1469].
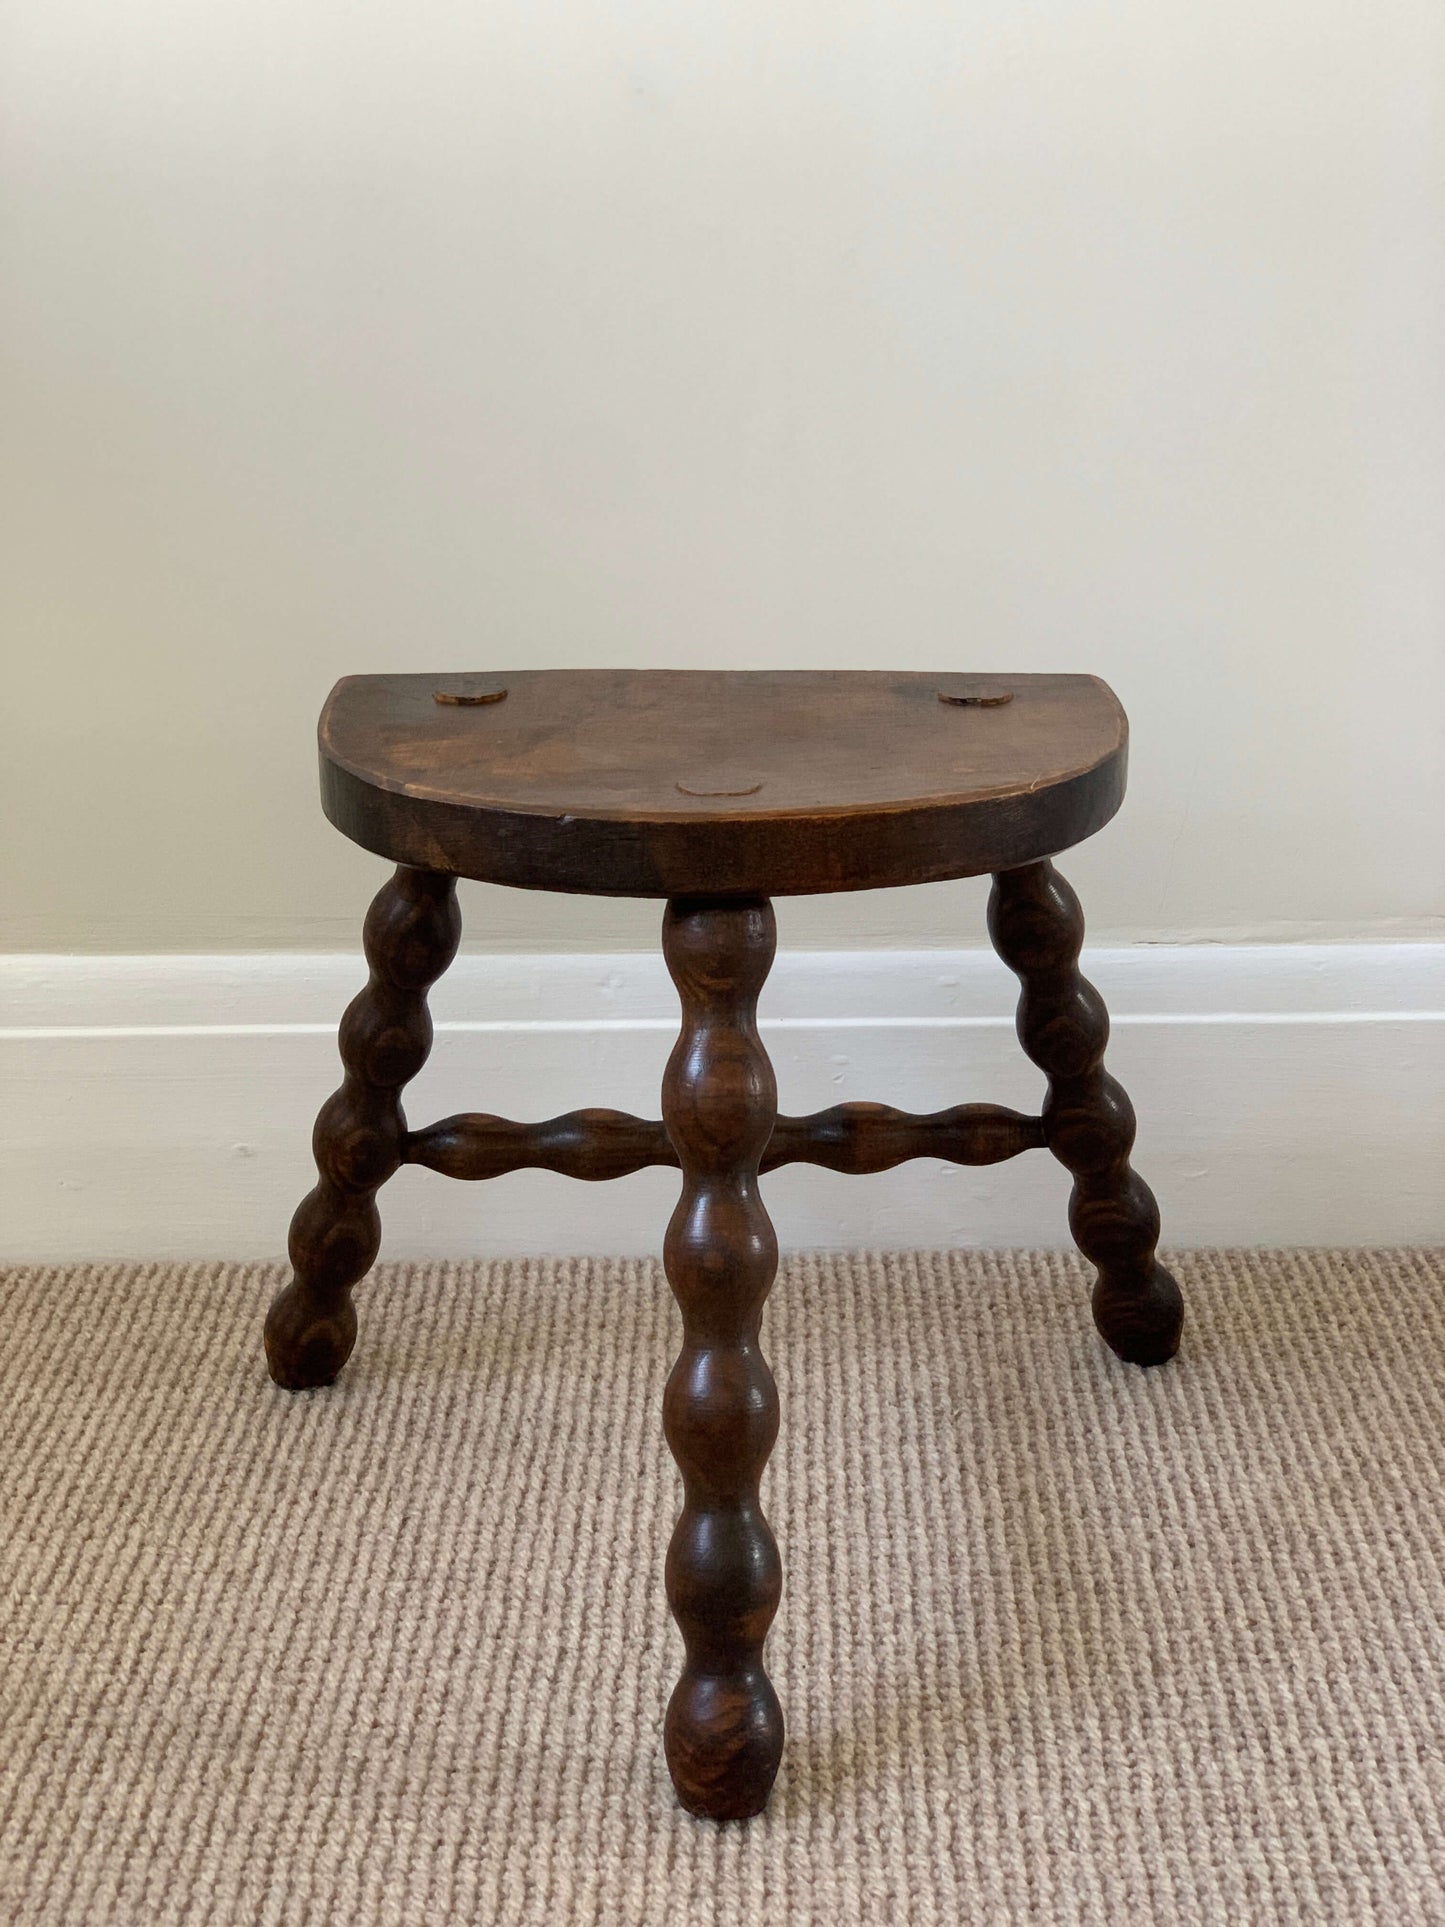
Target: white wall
[358,336]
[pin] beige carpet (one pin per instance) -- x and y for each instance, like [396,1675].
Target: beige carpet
[1062,1641]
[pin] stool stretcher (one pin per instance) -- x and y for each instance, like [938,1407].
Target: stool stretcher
[600,1144]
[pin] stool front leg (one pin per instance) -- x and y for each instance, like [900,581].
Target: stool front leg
[724,1729]
[1037,928]
[411,934]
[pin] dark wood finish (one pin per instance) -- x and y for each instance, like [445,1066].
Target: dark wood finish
[723,1733]
[665,782]
[719,791]
[593,1144]
[600,1144]
[1038,929]
[862,1138]
[410,936]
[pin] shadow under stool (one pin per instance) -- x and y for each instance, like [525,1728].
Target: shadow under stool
[717,791]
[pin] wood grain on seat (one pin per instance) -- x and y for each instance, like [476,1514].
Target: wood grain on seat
[662,782]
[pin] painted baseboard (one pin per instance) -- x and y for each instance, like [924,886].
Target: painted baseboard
[160,1107]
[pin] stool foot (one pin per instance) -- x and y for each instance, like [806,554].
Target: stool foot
[411,935]
[1037,928]
[308,1340]
[723,1734]
[1139,1318]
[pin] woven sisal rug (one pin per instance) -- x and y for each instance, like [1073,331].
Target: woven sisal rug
[1061,1641]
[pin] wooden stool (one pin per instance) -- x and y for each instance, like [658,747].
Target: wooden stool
[717,791]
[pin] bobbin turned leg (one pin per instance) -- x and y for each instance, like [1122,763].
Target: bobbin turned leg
[724,1729]
[411,934]
[1038,929]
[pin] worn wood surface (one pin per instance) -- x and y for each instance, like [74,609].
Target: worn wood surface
[1038,929]
[723,1734]
[662,782]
